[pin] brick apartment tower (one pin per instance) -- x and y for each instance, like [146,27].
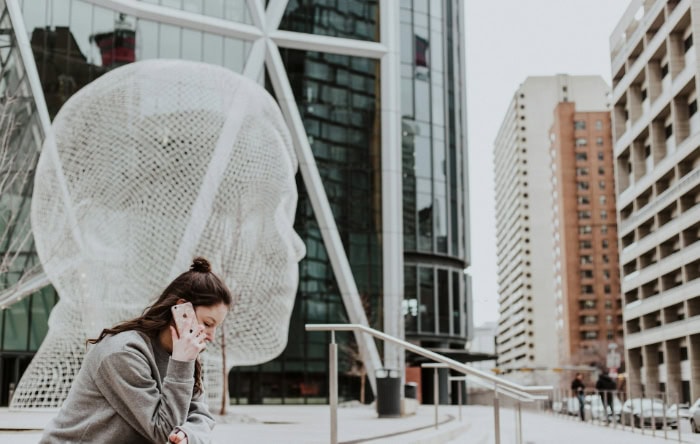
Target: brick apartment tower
[526,346]
[586,268]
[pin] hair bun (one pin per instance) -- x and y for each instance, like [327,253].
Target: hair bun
[201,265]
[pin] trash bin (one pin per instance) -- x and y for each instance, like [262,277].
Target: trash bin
[410,390]
[388,393]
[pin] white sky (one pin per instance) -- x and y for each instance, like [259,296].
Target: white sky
[507,41]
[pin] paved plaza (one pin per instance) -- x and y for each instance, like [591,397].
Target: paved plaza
[310,424]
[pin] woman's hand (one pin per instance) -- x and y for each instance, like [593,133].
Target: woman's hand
[189,343]
[178,436]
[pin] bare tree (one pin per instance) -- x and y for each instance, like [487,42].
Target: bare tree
[350,351]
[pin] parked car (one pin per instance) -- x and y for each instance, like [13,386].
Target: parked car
[596,409]
[678,411]
[571,407]
[694,414]
[643,412]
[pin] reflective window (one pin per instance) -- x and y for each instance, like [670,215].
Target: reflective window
[349,19]
[443,294]
[427,300]
[410,303]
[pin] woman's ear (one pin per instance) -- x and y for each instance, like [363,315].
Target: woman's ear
[180,301]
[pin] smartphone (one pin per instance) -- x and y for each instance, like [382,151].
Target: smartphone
[182,313]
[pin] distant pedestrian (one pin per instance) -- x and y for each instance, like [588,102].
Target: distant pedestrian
[578,388]
[606,388]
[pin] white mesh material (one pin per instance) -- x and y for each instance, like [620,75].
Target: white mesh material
[152,164]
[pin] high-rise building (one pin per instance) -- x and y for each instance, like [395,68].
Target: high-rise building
[373,89]
[586,270]
[656,129]
[525,339]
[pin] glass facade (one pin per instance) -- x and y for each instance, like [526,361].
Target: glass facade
[436,294]
[338,97]
[23,324]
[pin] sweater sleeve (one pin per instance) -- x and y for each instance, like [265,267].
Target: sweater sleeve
[126,382]
[199,422]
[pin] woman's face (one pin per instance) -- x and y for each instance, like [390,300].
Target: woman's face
[211,317]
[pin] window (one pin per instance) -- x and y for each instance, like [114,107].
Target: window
[582,171]
[589,335]
[604,243]
[583,200]
[600,155]
[668,131]
[599,124]
[601,171]
[581,141]
[603,214]
[582,185]
[581,156]
[644,94]
[584,229]
[606,259]
[585,244]
[587,289]
[608,304]
[606,289]
[587,305]
[586,259]
[606,275]
[599,141]
[601,184]
[584,214]
[587,274]
[692,108]
[580,124]
[590,319]
[603,229]
[610,335]
[664,70]
[688,43]
[647,151]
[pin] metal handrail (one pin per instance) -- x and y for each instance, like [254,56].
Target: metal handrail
[500,385]
[518,395]
[451,363]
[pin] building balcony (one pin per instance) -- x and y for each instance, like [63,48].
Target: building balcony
[657,335]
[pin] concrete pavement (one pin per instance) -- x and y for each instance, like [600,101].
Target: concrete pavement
[310,424]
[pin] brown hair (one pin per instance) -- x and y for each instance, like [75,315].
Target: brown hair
[198,285]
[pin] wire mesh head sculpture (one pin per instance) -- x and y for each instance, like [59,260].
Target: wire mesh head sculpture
[149,165]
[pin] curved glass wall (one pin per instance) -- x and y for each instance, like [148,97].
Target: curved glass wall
[435,301]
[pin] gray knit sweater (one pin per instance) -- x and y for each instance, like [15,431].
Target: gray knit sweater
[128,390]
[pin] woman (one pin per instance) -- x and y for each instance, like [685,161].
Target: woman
[141,382]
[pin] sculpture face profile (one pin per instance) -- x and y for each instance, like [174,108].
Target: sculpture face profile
[149,165]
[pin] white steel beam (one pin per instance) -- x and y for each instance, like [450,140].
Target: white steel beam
[273,14]
[392,207]
[322,210]
[255,64]
[324,43]
[27,56]
[257,13]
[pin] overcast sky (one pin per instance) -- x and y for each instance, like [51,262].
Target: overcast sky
[507,41]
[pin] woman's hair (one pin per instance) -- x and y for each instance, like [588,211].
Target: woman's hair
[199,286]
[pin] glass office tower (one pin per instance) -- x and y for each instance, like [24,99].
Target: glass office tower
[338,94]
